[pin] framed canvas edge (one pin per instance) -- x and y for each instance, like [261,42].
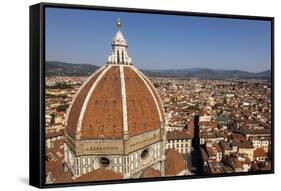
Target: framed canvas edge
[37,90]
[35,97]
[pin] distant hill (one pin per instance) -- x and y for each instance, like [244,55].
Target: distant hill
[55,68]
[208,74]
[69,69]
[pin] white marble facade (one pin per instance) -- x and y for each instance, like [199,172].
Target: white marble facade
[131,165]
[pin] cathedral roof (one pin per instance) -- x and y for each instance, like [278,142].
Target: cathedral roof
[113,100]
[150,173]
[177,134]
[259,152]
[99,174]
[116,102]
[56,170]
[174,163]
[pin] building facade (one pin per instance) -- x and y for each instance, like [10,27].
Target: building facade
[180,141]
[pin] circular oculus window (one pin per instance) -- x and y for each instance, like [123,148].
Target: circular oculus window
[144,154]
[104,162]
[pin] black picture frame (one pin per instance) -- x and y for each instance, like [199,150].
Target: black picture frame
[37,92]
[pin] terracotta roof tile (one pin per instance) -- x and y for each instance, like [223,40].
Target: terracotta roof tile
[77,104]
[56,169]
[174,163]
[55,133]
[142,110]
[184,134]
[98,175]
[259,152]
[156,95]
[150,173]
[103,116]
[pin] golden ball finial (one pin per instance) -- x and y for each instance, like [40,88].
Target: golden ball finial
[119,23]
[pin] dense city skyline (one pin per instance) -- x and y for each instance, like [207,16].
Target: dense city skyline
[83,36]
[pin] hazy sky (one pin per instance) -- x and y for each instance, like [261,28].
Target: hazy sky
[159,41]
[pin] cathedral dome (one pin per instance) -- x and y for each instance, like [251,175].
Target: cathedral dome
[116,100]
[116,117]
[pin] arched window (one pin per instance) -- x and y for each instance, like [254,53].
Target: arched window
[122,56]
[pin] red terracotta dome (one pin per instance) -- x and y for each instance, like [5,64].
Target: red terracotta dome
[116,99]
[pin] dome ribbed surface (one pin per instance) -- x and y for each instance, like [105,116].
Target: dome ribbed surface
[98,109]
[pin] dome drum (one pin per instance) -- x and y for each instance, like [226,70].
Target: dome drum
[113,146]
